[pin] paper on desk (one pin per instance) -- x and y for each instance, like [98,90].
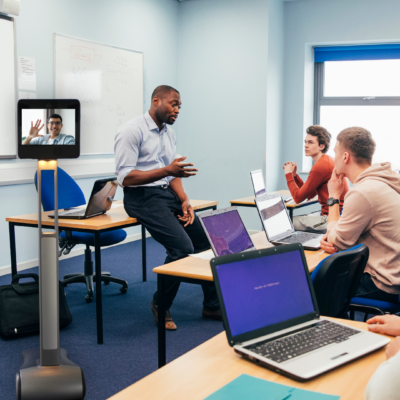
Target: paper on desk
[205,255]
[249,388]
[27,73]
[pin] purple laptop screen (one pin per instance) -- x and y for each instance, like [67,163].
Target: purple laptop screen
[264,291]
[227,233]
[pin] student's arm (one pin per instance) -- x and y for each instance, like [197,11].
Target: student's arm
[188,215]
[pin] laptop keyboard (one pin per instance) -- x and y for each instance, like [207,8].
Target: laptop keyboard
[301,237]
[74,213]
[321,334]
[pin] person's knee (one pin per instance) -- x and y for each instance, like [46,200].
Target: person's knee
[181,251]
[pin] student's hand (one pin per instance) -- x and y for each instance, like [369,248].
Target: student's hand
[289,167]
[188,214]
[326,246]
[387,324]
[295,169]
[35,129]
[177,169]
[335,185]
[393,348]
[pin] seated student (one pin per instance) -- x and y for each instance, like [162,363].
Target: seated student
[316,145]
[371,213]
[385,383]
[54,125]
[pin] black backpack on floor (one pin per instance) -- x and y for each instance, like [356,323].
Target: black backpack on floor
[19,307]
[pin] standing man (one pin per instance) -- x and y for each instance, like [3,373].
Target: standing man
[145,150]
[316,144]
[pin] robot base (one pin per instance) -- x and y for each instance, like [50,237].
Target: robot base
[62,382]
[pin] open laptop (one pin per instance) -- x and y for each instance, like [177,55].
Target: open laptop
[100,201]
[258,184]
[278,225]
[225,231]
[271,315]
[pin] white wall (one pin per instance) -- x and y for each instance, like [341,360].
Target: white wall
[150,26]
[325,22]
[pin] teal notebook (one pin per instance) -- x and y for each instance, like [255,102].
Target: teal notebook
[246,387]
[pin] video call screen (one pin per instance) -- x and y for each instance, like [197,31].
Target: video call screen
[264,291]
[48,126]
[227,233]
[274,216]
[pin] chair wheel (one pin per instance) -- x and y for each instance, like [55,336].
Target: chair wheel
[64,284]
[88,298]
[123,290]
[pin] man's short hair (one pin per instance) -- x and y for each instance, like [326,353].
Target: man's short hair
[323,136]
[54,116]
[162,90]
[359,142]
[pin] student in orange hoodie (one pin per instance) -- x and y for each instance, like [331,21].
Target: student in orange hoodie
[316,145]
[371,213]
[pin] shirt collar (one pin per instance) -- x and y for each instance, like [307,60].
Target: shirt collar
[151,124]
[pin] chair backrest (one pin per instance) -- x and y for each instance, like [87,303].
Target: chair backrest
[336,279]
[69,192]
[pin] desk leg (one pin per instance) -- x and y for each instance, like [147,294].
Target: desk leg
[162,352]
[13,253]
[99,305]
[144,270]
[291,214]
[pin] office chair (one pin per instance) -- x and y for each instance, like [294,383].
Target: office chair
[371,306]
[336,279]
[70,195]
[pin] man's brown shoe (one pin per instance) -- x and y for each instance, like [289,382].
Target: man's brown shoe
[208,314]
[169,324]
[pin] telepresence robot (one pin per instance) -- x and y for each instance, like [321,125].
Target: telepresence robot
[48,373]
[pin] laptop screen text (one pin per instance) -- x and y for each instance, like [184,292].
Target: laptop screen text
[263,291]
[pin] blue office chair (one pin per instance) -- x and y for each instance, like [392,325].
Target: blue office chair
[70,195]
[336,279]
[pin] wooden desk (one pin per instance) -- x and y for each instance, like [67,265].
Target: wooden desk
[196,270]
[116,218]
[290,205]
[208,367]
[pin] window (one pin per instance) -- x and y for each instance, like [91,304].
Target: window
[360,86]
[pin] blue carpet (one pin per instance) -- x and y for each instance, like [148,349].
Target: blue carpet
[129,352]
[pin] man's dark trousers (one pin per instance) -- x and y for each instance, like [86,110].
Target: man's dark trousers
[157,208]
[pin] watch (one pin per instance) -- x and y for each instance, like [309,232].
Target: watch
[331,201]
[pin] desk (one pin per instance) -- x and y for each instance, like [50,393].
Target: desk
[195,270]
[208,367]
[116,218]
[290,205]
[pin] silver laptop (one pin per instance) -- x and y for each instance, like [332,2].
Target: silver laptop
[271,315]
[225,231]
[278,225]
[100,201]
[258,184]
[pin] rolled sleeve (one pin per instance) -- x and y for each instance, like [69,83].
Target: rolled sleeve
[356,218]
[126,149]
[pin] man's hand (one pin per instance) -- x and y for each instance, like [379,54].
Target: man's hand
[393,348]
[326,246]
[387,324]
[290,167]
[335,185]
[188,214]
[34,131]
[177,169]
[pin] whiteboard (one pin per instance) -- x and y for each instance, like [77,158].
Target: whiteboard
[8,85]
[108,81]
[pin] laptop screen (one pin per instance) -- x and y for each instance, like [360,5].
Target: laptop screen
[263,291]
[274,217]
[227,233]
[258,182]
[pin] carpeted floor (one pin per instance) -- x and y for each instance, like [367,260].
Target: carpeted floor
[129,352]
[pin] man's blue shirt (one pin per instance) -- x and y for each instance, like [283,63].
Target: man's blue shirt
[60,139]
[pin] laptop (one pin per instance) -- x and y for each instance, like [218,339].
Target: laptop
[100,201]
[278,225]
[225,231]
[258,184]
[271,315]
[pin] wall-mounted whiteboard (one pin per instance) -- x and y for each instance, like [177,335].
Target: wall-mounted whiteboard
[8,98]
[108,81]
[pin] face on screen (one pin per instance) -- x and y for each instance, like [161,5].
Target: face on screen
[48,127]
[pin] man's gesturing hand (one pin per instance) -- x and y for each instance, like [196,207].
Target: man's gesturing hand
[35,129]
[188,214]
[177,169]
